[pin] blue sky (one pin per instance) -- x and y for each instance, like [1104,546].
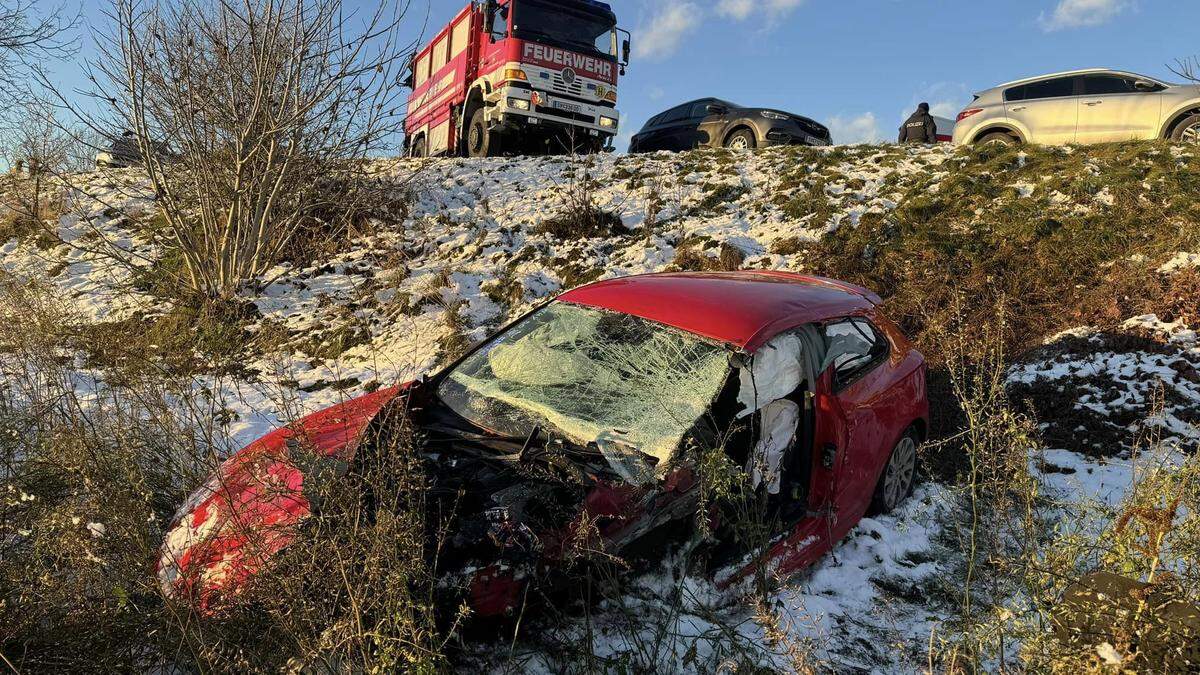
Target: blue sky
[859,66]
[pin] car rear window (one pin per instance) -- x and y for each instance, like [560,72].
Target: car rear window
[1057,88]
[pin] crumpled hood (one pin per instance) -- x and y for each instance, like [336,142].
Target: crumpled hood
[253,506]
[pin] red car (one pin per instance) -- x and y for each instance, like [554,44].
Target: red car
[608,389]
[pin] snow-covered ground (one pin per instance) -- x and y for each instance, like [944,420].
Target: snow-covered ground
[471,247]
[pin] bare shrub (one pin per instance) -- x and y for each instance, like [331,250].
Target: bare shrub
[90,475]
[581,216]
[244,113]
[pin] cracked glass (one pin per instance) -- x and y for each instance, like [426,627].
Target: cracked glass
[631,386]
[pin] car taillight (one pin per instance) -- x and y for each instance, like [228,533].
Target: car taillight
[967,113]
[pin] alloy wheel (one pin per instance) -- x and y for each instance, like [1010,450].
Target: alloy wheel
[1191,135]
[739,143]
[901,468]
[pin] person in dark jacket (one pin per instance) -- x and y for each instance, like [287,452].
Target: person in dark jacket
[920,127]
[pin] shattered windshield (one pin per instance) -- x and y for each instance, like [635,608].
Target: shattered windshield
[629,385]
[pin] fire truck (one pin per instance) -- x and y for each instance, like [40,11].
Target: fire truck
[518,76]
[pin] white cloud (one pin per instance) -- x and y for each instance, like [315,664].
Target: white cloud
[861,129]
[740,10]
[945,109]
[1082,13]
[661,37]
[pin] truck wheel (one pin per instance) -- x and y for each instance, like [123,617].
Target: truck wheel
[742,139]
[899,476]
[997,138]
[1187,131]
[479,139]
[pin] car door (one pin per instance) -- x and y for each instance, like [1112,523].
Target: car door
[711,119]
[685,129]
[1113,108]
[1048,109]
[860,382]
[665,134]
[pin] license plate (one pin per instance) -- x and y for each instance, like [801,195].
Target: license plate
[564,105]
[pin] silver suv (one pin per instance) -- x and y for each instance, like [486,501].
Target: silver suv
[1082,106]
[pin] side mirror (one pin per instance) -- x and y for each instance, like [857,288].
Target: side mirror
[1145,85]
[625,52]
[714,109]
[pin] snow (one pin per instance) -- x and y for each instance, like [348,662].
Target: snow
[470,242]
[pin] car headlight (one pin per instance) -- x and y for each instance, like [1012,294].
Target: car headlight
[518,103]
[608,122]
[772,115]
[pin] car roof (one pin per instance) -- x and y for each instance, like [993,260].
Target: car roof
[744,309]
[1069,73]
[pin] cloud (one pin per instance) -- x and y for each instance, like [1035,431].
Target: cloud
[655,93]
[861,129]
[661,37]
[740,10]
[1082,13]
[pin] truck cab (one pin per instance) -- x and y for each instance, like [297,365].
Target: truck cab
[518,76]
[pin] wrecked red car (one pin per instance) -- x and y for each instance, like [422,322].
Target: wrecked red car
[800,379]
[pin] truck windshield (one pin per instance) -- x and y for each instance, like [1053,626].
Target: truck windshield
[582,31]
[631,386]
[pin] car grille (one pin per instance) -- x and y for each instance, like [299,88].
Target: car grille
[560,86]
[813,128]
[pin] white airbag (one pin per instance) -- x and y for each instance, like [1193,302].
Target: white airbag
[779,422]
[775,371]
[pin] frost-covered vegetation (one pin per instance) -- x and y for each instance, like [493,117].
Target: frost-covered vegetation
[1056,293]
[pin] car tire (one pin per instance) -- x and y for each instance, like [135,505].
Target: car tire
[997,138]
[899,475]
[1187,131]
[742,139]
[479,138]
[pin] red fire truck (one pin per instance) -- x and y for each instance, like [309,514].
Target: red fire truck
[518,76]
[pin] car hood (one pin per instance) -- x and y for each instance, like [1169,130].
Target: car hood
[253,505]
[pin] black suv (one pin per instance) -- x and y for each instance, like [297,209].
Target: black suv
[713,123]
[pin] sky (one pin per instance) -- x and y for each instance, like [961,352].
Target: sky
[858,66]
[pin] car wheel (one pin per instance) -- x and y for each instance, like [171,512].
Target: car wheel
[742,139]
[899,476]
[997,138]
[479,138]
[1188,131]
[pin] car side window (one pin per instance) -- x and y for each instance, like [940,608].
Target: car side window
[856,347]
[701,109]
[1059,87]
[675,114]
[1095,85]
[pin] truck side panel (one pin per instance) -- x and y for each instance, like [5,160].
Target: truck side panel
[443,70]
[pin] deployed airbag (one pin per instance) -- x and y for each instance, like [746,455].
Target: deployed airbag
[779,422]
[774,372]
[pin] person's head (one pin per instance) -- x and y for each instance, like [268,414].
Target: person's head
[924,108]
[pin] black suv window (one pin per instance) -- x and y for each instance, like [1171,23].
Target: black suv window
[1094,85]
[857,347]
[675,114]
[701,109]
[1057,88]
